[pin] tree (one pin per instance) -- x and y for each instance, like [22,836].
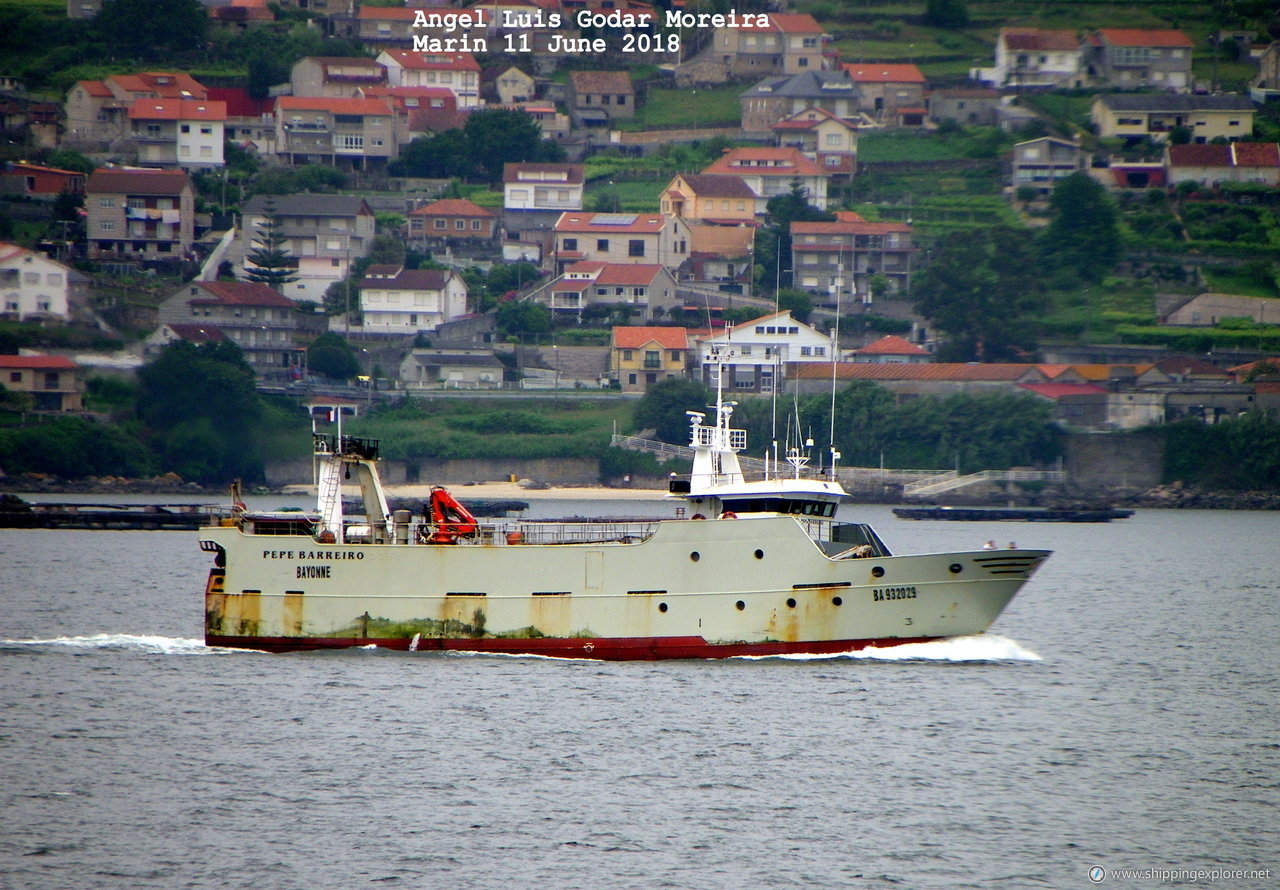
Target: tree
[519,317]
[662,408]
[797,302]
[496,137]
[332,356]
[201,411]
[1083,236]
[270,260]
[983,289]
[152,28]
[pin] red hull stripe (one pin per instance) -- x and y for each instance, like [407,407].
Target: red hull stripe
[615,649]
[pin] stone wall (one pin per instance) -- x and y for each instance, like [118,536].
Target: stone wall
[1109,460]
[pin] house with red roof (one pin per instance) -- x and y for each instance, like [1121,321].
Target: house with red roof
[839,260]
[186,133]
[1208,165]
[457,72]
[772,171]
[133,213]
[400,301]
[891,349]
[54,383]
[256,317]
[639,357]
[785,43]
[776,98]
[620,238]
[352,134]
[892,93]
[710,198]
[39,182]
[99,109]
[1034,58]
[453,221]
[760,352]
[647,288]
[36,288]
[1129,58]
[829,141]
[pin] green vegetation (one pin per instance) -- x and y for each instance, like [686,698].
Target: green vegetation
[1240,453]
[460,429]
[666,109]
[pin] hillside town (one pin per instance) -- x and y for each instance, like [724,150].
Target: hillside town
[465,207]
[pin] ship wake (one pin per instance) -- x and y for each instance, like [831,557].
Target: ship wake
[153,645]
[979,648]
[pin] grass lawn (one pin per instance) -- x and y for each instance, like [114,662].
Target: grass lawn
[1229,281]
[636,197]
[674,109]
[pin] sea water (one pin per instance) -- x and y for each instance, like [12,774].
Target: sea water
[1121,714]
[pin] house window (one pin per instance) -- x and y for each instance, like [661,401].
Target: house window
[602,244]
[626,357]
[439,223]
[635,247]
[107,225]
[675,355]
[475,225]
[460,224]
[185,128]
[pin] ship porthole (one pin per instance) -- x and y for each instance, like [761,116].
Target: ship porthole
[791,604]
[877,572]
[662,607]
[837,601]
[740,605]
[695,556]
[956,568]
[759,554]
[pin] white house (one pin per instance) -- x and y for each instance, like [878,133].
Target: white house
[759,350]
[32,286]
[395,300]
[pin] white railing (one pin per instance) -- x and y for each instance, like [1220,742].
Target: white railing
[951,480]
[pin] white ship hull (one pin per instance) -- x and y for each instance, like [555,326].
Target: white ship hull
[760,584]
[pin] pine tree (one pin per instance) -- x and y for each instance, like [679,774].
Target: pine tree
[270,262]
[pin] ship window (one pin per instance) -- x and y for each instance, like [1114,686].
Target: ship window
[662,607]
[791,603]
[740,605]
[695,556]
[877,572]
[956,568]
[465,593]
[837,601]
[759,554]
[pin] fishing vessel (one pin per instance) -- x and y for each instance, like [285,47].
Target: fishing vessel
[744,567]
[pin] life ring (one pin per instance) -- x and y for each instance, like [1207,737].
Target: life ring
[697,516]
[728,514]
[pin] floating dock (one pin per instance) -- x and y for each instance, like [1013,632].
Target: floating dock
[17,513]
[1012,514]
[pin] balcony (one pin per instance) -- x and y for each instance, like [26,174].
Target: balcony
[306,128]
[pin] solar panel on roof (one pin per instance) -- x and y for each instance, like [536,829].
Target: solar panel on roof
[614,219]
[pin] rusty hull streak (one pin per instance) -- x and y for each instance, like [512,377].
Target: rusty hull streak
[291,617]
